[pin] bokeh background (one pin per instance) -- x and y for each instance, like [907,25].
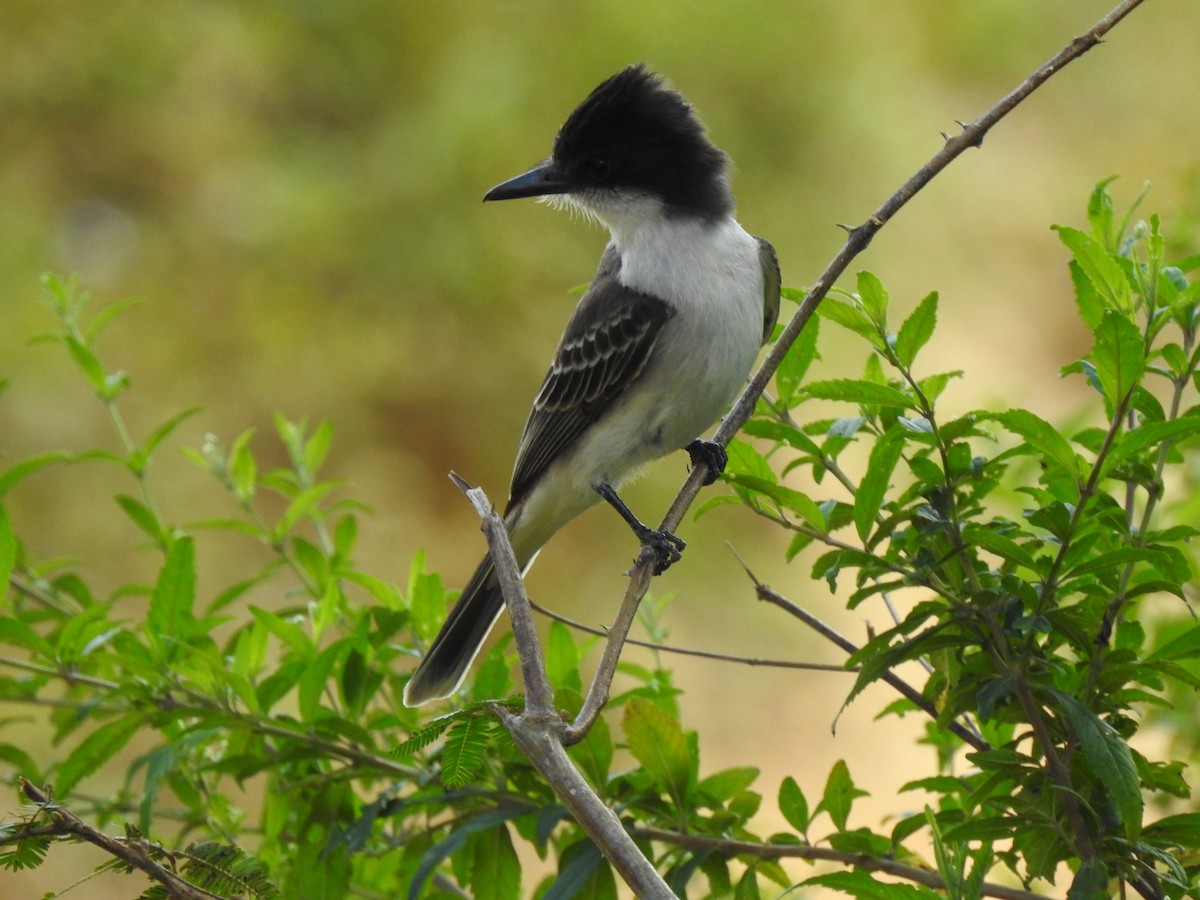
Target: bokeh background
[293,190]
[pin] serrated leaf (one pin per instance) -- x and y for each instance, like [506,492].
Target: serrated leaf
[1100,268]
[1110,758]
[793,804]
[170,616]
[657,741]
[864,393]
[917,329]
[94,751]
[1091,308]
[1181,830]
[1040,435]
[1119,354]
[851,318]
[875,483]
[999,544]
[462,755]
[1148,435]
[289,632]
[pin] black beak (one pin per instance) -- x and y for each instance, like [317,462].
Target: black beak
[537,182]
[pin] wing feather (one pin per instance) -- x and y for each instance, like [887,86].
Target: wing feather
[603,350]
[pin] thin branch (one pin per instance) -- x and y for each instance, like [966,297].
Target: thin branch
[728,847]
[691,651]
[539,695]
[542,734]
[906,690]
[136,853]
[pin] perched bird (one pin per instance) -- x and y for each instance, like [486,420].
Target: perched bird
[659,345]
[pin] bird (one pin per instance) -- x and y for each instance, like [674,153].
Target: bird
[659,345]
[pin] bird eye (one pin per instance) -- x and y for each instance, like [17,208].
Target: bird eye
[597,169]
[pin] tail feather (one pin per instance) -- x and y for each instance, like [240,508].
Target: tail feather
[457,643]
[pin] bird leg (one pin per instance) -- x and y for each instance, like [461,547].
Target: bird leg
[667,547]
[710,453]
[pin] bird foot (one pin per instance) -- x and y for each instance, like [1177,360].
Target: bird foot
[668,549]
[710,453]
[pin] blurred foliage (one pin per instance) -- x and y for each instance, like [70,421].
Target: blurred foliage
[1050,577]
[294,187]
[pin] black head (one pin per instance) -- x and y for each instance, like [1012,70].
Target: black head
[632,136]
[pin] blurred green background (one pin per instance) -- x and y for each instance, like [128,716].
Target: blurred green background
[294,191]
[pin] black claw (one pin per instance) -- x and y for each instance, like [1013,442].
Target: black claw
[668,548]
[710,453]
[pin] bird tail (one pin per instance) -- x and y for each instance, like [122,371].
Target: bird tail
[454,649]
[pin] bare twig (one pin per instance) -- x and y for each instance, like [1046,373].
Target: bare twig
[692,651]
[541,733]
[728,847]
[136,853]
[857,240]
[539,695]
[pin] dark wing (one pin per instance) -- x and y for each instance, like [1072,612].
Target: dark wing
[772,281]
[603,350]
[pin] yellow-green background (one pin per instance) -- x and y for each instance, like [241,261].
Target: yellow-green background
[294,190]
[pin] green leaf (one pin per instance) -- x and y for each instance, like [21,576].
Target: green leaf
[747,886]
[94,751]
[1040,435]
[875,483]
[722,785]
[1101,269]
[839,795]
[454,842]
[853,319]
[994,542]
[18,472]
[159,434]
[1090,882]
[861,885]
[301,506]
[1150,434]
[795,364]
[657,742]
[1120,356]
[495,869]
[1184,646]
[462,754]
[1110,758]
[562,657]
[1182,830]
[793,804]
[87,362]
[874,299]
[1091,308]
[141,516]
[864,393]
[289,632]
[170,617]
[917,329]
